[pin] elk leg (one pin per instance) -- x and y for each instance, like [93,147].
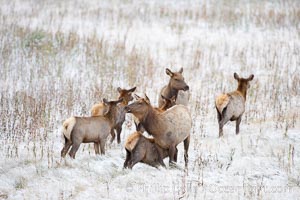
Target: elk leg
[136,156]
[140,128]
[219,122]
[119,130]
[238,121]
[219,115]
[113,135]
[128,157]
[134,160]
[161,161]
[186,143]
[66,148]
[102,146]
[222,122]
[74,149]
[175,156]
[96,147]
[136,126]
[172,151]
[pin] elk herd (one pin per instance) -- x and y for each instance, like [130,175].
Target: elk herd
[168,125]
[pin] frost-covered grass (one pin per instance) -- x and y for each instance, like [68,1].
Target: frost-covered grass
[58,58]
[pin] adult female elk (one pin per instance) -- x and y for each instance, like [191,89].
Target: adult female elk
[231,106]
[174,88]
[167,103]
[79,130]
[141,149]
[168,128]
[118,113]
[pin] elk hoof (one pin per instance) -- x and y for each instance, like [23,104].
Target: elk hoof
[172,164]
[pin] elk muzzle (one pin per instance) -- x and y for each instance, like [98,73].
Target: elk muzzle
[186,88]
[127,109]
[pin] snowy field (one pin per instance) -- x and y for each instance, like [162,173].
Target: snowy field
[58,58]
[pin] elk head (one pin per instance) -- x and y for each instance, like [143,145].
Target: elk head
[126,94]
[177,80]
[140,107]
[243,83]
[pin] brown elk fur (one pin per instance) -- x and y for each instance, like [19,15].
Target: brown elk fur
[168,103]
[118,113]
[176,84]
[169,128]
[222,102]
[141,149]
[231,106]
[96,129]
[132,140]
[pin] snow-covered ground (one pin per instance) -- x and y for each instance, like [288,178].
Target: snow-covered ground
[58,58]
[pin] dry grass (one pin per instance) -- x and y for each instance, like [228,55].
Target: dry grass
[53,67]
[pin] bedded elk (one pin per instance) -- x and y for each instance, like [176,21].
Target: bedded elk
[118,113]
[176,87]
[231,106]
[141,149]
[77,130]
[168,128]
[167,103]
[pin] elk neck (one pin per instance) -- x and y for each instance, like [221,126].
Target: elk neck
[111,115]
[151,122]
[242,88]
[124,102]
[171,92]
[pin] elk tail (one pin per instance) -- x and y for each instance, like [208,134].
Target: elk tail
[222,102]
[68,126]
[97,109]
[132,140]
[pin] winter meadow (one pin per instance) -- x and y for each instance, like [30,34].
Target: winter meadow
[59,58]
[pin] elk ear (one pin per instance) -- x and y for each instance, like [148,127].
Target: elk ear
[136,96]
[119,89]
[250,77]
[105,101]
[147,100]
[169,72]
[173,98]
[132,89]
[236,76]
[119,101]
[181,70]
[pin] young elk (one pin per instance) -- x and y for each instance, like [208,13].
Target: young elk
[79,130]
[231,106]
[118,114]
[168,128]
[168,103]
[141,149]
[176,87]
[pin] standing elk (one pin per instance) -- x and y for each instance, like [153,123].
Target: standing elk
[231,106]
[118,113]
[167,103]
[141,149]
[77,130]
[168,128]
[176,87]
